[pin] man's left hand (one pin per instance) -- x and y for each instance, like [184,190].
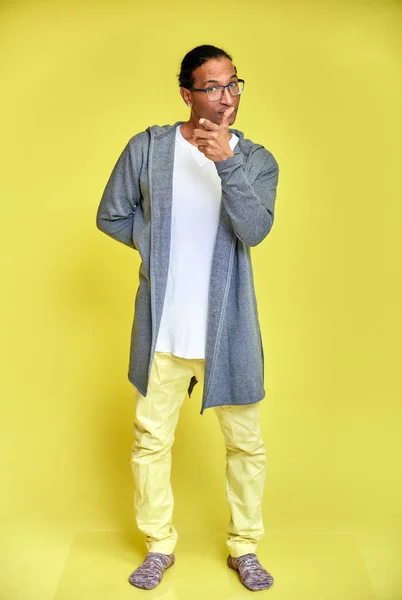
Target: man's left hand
[213,141]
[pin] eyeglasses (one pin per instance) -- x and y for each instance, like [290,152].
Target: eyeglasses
[215,92]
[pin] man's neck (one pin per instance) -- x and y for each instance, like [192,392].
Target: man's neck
[187,129]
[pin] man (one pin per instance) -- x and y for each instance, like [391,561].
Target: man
[192,198]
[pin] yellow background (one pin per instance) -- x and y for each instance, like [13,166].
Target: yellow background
[324,94]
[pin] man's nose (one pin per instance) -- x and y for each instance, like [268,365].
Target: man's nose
[227,97]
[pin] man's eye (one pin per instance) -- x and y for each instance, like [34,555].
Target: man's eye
[212,89]
[233,84]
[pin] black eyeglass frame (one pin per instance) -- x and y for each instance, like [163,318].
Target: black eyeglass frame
[222,87]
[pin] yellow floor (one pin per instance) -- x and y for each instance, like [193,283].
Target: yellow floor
[96,564]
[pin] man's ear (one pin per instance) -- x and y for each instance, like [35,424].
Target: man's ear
[185,94]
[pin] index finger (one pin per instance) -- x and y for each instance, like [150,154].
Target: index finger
[226,115]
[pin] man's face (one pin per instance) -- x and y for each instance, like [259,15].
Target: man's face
[214,72]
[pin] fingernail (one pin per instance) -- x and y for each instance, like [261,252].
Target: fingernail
[201,121]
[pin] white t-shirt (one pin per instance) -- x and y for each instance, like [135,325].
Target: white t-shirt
[196,203]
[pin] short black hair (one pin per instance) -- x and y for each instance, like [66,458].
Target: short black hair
[195,58]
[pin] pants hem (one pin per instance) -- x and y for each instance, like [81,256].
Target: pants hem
[237,550]
[161,547]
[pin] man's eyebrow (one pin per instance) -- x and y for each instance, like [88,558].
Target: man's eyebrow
[214,80]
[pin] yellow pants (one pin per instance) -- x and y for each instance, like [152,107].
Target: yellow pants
[156,417]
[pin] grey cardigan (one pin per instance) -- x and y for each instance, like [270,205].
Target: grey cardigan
[135,209]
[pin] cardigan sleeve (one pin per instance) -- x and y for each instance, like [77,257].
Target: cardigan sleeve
[250,206]
[116,211]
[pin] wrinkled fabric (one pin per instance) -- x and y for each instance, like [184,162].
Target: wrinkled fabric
[155,421]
